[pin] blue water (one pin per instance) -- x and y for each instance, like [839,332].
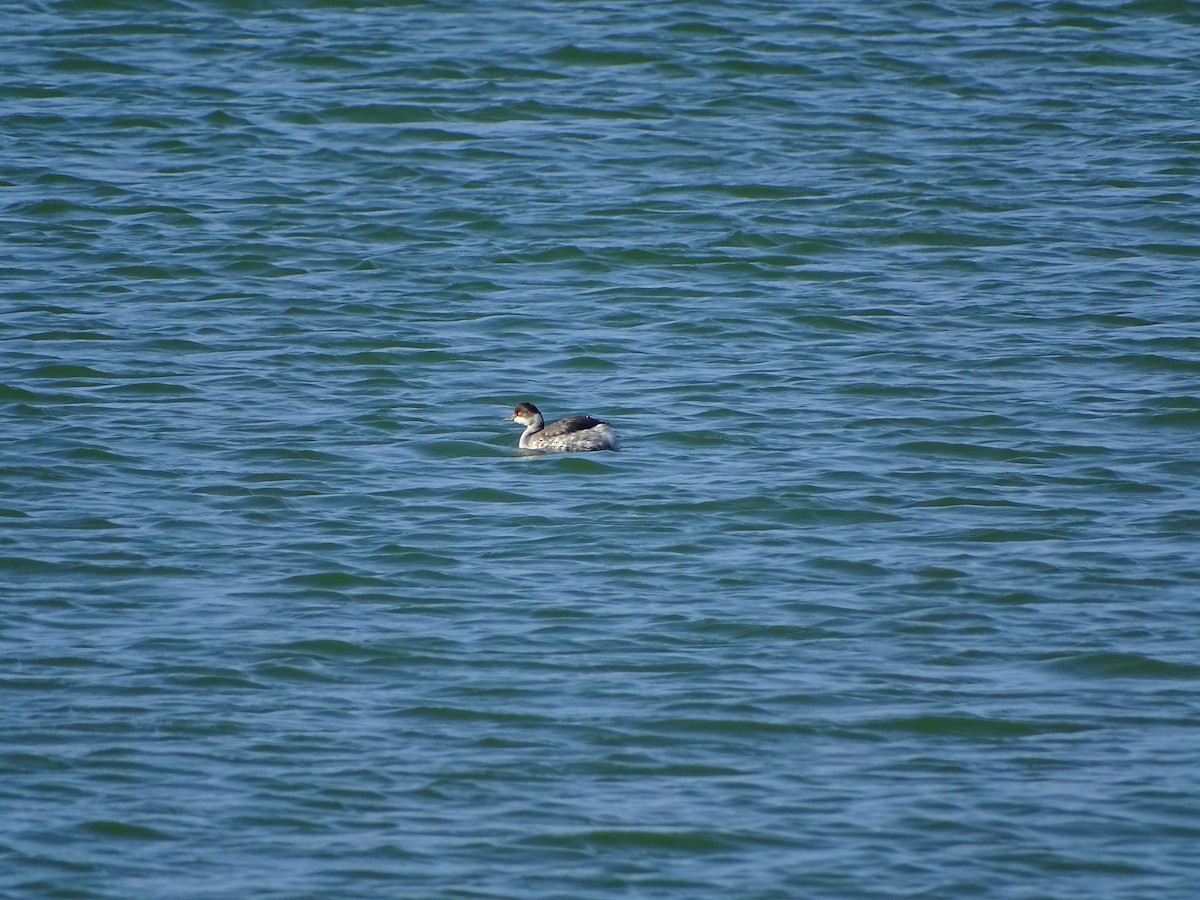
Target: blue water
[892,590]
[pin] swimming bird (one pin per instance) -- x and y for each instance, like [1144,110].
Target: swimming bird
[573,434]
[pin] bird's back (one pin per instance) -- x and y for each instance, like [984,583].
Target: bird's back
[570,425]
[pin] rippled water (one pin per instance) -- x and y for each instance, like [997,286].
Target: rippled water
[891,593]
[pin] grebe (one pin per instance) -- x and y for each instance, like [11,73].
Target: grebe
[571,435]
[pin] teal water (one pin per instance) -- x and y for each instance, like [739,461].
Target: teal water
[892,591]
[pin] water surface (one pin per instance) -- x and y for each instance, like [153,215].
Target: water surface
[890,593]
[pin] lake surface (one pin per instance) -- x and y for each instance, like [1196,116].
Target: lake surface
[893,590]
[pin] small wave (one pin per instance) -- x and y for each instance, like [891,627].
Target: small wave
[126,831]
[974,727]
[1108,664]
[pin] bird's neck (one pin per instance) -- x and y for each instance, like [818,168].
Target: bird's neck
[531,429]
